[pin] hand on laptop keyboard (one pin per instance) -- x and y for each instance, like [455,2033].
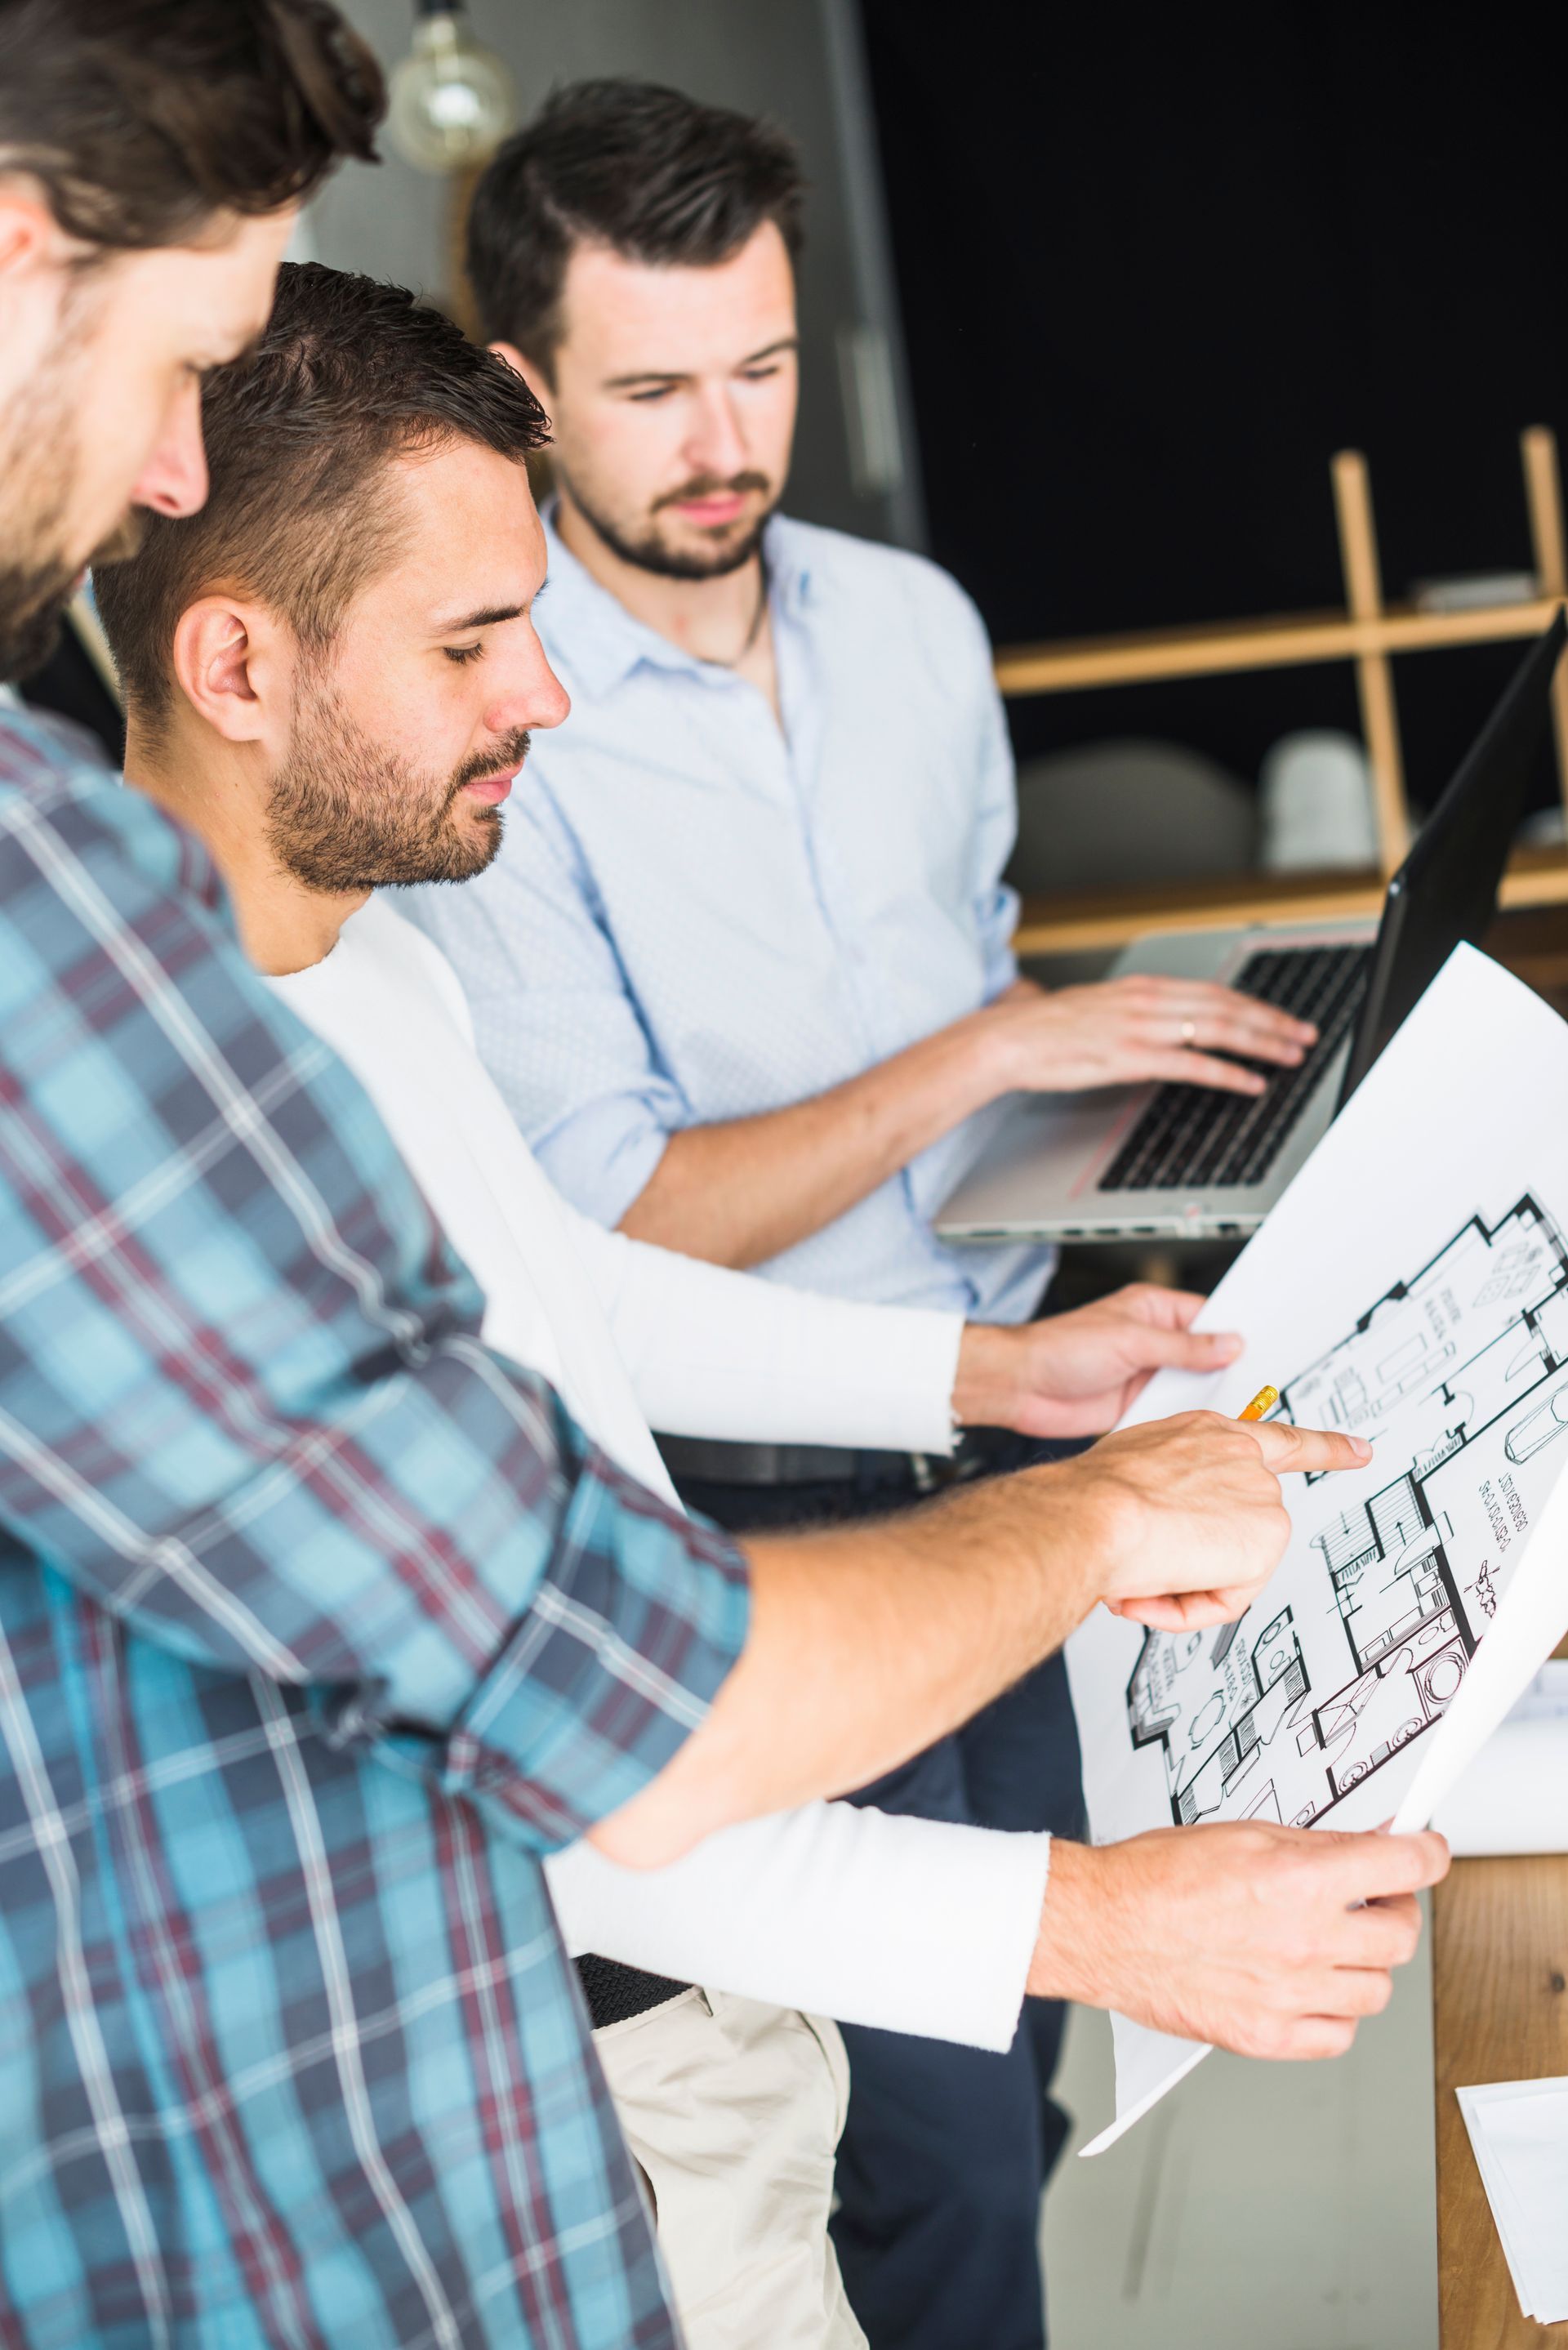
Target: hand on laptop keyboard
[1186,1138]
[1123,1031]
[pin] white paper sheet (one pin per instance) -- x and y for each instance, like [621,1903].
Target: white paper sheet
[1412,1287]
[1520,2132]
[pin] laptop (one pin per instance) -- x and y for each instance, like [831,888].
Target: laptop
[1188,1161]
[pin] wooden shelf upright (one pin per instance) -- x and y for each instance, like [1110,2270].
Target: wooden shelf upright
[1367,632]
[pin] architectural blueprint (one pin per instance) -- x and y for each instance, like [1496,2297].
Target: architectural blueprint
[1458,1379]
[1410,1288]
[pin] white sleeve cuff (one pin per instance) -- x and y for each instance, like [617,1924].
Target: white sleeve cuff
[919,1926]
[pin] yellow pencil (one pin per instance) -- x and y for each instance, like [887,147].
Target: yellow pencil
[1261,1404]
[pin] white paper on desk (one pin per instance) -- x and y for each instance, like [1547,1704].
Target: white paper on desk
[1519,2130]
[1411,1288]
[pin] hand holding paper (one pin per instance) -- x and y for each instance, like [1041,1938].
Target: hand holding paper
[1076,1373]
[1411,1288]
[1247,1936]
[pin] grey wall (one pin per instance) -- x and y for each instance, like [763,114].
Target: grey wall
[796,59]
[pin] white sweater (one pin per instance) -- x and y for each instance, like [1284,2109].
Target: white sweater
[913,1925]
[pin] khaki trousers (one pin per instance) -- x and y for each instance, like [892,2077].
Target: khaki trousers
[732,2110]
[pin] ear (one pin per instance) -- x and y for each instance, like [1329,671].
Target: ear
[533,374]
[28,231]
[230,664]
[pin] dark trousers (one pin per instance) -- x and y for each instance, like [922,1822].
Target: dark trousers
[946,2150]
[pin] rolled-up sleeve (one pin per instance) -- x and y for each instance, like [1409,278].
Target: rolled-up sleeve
[243,1405]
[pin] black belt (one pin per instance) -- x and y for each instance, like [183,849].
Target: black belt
[615,1992]
[712,1461]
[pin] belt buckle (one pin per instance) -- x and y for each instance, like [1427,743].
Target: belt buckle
[934,1472]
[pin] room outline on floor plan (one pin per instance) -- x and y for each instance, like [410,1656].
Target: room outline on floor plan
[1458,1379]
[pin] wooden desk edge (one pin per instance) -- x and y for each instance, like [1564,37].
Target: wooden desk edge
[1475,2039]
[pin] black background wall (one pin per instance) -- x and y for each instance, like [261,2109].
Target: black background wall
[1155,268]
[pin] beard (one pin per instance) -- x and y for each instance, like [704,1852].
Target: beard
[39,460]
[34,597]
[649,551]
[32,607]
[37,582]
[345,814]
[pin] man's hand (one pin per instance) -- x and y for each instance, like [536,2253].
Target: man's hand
[1273,1942]
[868,1642]
[1186,1516]
[1120,1032]
[1075,1374]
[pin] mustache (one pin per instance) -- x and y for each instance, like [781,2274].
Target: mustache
[510,752]
[712,486]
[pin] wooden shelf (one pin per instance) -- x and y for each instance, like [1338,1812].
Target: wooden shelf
[1367,632]
[1086,924]
[1285,642]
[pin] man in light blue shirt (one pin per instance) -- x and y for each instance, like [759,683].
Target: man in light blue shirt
[742,969]
[843,895]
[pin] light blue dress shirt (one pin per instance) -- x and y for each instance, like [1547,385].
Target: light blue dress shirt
[696,915]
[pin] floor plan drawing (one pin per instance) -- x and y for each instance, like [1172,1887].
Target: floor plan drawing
[1457,1376]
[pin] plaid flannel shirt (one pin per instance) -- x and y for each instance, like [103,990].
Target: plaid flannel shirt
[318,1626]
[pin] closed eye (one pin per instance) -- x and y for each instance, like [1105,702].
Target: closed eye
[463,654]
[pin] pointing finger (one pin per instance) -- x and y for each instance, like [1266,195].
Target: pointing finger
[1186,1611]
[1285,1448]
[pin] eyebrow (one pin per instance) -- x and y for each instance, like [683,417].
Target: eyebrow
[681,375]
[491,614]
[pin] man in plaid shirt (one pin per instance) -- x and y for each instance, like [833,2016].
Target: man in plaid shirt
[289,2052]
[319,1625]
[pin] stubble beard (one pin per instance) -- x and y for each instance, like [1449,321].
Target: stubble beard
[347,815]
[650,552]
[36,581]
[39,457]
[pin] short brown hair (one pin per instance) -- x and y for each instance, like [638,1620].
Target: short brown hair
[140,119]
[348,375]
[650,173]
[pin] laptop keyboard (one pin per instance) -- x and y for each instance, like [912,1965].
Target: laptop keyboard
[1191,1135]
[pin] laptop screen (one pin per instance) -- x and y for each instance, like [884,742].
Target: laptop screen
[1446,890]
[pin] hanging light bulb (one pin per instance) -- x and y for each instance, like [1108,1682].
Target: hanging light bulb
[452,101]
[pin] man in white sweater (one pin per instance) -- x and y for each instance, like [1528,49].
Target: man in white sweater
[330,676]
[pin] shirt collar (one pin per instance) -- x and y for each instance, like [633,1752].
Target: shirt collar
[601,643]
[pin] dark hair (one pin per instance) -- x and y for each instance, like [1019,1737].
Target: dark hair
[140,119]
[348,375]
[629,164]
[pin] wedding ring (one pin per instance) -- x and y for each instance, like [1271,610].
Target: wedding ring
[1188,1032]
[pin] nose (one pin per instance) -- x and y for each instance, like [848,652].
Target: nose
[534,697]
[716,443]
[175,479]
